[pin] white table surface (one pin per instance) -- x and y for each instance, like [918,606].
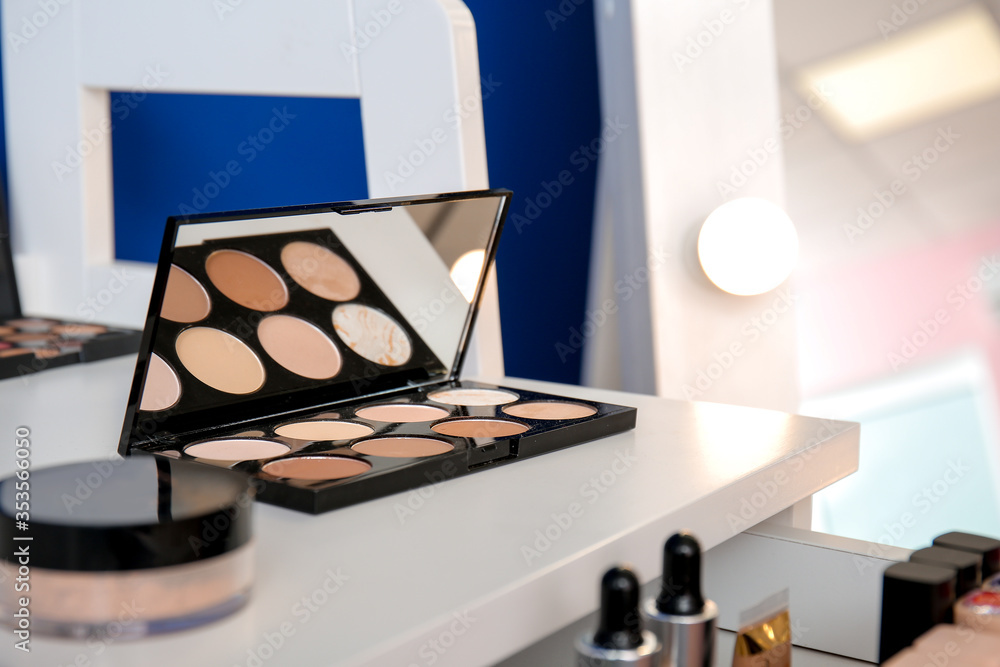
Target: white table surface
[450,584]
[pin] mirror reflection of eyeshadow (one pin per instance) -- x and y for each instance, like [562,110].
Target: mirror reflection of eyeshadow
[220,360]
[162,389]
[317,468]
[470,396]
[479,428]
[79,330]
[321,431]
[247,280]
[403,447]
[185,299]
[372,334]
[237,449]
[320,271]
[299,346]
[550,410]
[402,413]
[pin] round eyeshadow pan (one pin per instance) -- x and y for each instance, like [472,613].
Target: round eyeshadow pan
[247,280]
[162,389]
[299,346]
[31,339]
[48,352]
[550,410]
[472,397]
[185,299]
[79,330]
[14,352]
[320,271]
[402,413]
[479,428]
[321,431]
[237,449]
[220,360]
[6,331]
[372,334]
[317,468]
[32,325]
[403,447]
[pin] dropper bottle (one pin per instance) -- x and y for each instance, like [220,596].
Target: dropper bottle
[619,639]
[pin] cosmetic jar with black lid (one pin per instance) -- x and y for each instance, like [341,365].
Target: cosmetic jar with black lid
[124,548]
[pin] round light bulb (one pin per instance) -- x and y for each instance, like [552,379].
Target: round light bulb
[465,272]
[748,246]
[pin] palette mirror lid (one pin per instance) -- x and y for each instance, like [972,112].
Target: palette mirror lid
[269,311]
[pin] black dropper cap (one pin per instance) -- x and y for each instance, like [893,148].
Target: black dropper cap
[620,627]
[680,594]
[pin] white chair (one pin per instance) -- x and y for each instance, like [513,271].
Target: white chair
[410,63]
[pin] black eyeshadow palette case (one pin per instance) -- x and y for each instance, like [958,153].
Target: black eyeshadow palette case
[319,348]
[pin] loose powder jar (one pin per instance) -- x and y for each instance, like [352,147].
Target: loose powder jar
[123,548]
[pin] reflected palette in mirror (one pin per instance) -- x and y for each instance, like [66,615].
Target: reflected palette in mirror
[319,349]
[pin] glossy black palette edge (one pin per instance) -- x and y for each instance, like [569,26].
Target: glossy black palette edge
[389,476]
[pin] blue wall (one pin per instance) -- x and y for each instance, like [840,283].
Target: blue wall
[171,154]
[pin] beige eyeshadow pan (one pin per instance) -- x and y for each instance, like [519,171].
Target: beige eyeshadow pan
[299,346]
[471,396]
[320,271]
[220,360]
[549,410]
[237,449]
[317,468]
[323,430]
[402,413]
[162,388]
[479,428]
[79,330]
[403,447]
[247,280]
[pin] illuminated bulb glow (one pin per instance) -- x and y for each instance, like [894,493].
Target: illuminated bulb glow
[748,246]
[465,272]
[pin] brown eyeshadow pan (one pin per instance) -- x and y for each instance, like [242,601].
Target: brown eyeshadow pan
[185,299]
[247,280]
[403,447]
[317,468]
[479,428]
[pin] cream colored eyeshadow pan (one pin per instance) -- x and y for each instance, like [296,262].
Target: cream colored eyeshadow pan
[324,430]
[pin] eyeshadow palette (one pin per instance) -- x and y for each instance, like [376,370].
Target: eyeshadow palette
[32,344]
[319,349]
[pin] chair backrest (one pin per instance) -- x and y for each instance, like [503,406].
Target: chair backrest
[411,63]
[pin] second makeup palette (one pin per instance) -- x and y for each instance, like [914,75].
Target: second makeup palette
[319,348]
